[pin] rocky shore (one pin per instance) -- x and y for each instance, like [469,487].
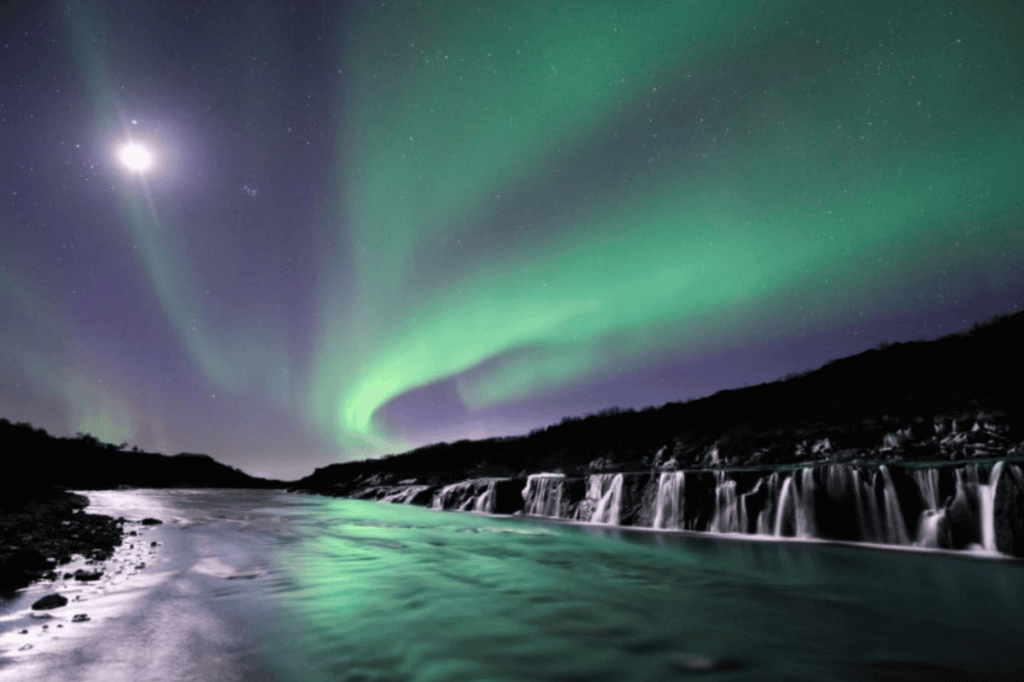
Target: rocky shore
[41,528]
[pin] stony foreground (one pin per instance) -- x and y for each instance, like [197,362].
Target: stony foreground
[42,528]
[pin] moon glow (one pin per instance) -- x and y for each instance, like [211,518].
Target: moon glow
[135,157]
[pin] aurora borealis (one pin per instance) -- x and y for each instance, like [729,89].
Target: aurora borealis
[373,225]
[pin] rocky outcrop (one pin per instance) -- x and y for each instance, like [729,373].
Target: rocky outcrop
[41,528]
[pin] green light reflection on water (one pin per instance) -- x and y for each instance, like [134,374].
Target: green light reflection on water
[390,592]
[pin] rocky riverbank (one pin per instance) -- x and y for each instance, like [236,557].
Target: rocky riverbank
[42,528]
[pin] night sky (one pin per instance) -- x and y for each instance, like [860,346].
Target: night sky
[366,226]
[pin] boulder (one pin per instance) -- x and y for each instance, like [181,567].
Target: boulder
[50,601]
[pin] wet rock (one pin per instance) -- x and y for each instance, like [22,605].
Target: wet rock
[149,521]
[88,576]
[50,601]
[79,618]
[1009,512]
[153,544]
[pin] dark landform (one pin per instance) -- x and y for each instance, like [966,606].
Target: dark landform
[41,527]
[85,463]
[955,398]
[42,524]
[912,444]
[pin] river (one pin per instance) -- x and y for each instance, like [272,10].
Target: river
[264,585]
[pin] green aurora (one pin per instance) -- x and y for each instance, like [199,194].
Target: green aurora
[798,160]
[526,197]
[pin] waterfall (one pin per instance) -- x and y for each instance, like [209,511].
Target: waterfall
[928,527]
[669,507]
[784,501]
[473,495]
[805,525]
[766,519]
[404,495]
[610,499]
[841,502]
[730,510]
[796,504]
[932,517]
[448,496]
[895,528]
[484,502]
[542,495]
[928,484]
[987,504]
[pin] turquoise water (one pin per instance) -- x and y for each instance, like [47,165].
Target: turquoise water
[354,590]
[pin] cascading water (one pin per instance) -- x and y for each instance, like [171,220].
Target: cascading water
[542,495]
[668,507]
[795,509]
[609,503]
[932,520]
[987,502]
[928,484]
[805,525]
[895,528]
[845,502]
[405,495]
[730,511]
[484,502]
[766,519]
[473,495]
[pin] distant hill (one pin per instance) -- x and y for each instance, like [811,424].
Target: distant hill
[34,457]
[956,397]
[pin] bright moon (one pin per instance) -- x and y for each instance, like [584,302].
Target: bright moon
[135,157]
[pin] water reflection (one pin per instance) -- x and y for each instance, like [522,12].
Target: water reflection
[353,590]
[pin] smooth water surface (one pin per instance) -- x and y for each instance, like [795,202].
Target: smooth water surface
[265,585]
